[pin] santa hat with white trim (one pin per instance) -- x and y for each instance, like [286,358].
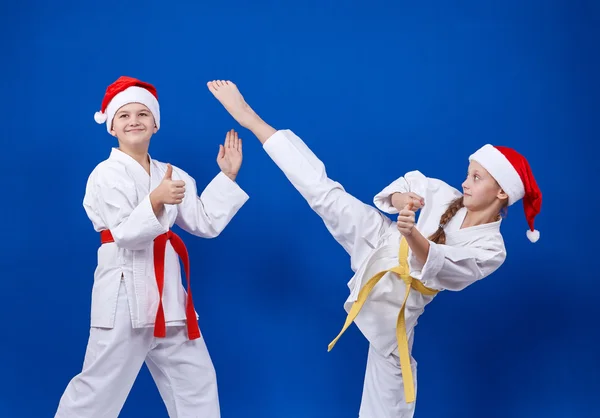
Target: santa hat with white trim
[512,172]
[127,90]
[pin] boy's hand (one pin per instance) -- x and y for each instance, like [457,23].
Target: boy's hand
[169,191]
[230,155]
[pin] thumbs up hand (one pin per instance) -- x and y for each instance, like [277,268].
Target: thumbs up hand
[406,219]
[169,172]
[169,191]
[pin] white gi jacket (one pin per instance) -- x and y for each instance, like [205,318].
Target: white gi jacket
[372,240]
[117,198]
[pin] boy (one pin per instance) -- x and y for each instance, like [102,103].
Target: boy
[140,311]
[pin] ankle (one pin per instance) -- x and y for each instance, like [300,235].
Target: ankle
[253,123]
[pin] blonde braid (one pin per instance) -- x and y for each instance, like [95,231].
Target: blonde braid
[439,236]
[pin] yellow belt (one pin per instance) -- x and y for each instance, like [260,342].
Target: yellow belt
[403,271]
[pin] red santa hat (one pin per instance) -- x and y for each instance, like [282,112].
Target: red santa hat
[124,91]
[512,172]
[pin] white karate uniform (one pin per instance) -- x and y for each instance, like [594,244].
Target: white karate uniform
[372,240]
[125,293]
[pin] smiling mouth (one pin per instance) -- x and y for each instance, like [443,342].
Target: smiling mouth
[135,130]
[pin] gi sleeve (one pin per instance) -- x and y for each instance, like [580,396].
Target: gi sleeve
[110,200]
[454,268]
[207,215]
[413,181]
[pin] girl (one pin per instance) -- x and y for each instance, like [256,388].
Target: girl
[399,268]
[140,311]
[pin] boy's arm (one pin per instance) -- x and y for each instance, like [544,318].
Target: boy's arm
[207,215]
[110,197]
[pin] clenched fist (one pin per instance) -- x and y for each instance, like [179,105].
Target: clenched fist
[406,219]
[400,200]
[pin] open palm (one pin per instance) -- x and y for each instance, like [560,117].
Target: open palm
[230,155]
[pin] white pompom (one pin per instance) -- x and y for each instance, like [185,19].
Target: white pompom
[533,235]
[100,117]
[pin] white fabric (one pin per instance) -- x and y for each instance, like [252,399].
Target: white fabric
[117,198]
[383,389]
[502,170]
[372,240]
[182,370]
[133,94]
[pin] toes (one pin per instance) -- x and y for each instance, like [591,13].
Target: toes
[216,84]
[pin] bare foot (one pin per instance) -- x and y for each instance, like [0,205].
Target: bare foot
[230,97]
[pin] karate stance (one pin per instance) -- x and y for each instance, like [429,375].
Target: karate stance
[140,310]
[400,267]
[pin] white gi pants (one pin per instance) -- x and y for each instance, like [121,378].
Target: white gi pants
[182,370]
[383,391]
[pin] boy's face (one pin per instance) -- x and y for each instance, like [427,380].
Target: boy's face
[133,125]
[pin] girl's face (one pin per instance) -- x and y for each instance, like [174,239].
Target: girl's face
[133,125]
[480,189]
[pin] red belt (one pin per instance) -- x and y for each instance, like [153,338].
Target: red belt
[160,244]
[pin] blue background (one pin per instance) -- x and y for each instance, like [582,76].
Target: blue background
[376,89]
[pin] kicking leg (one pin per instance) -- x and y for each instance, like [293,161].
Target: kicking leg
[230,97]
